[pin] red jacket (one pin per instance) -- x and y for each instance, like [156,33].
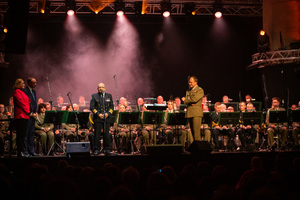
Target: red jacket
[22,105]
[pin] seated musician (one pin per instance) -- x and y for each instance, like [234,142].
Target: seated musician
[225,99]
[294,107]
[5,132]
[177,103]
[272,128]
[76,107]
[160,100]
[250,107]
[217,129]
[168,130]
[245,131]
[205,129]
[215,125]
[144,131]
[69,129]
[248,98]
[123,133]
[230,109]
[223,107]
[44,130]
[3,129]
[124,102]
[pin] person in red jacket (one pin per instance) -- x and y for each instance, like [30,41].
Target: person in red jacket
[22,113]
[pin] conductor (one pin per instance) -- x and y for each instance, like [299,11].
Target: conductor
[194,112]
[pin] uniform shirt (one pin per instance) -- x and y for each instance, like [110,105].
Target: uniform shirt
[100,104]
[193,100]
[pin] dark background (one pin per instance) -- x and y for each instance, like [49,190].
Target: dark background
[191,46]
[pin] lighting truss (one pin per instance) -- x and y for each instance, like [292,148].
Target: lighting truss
[260,60]
[153,7]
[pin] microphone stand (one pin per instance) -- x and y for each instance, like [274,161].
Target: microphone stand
[76,117]
[51,99]
[115,79]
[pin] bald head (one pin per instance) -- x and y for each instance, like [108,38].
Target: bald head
[101,87]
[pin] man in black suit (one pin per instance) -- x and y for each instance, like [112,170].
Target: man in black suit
[29,139]
[102,106]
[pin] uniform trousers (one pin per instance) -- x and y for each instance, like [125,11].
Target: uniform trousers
[103,128]
[195,124]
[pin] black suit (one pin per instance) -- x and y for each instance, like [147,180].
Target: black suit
[29,139]
[101,105]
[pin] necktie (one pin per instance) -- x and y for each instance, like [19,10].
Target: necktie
[32,95]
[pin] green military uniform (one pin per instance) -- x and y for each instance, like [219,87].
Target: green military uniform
[206,132]
[68,133]
[194,112]
[271,131]
[39,126]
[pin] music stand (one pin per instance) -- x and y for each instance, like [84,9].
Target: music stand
[295,116]
[55,118]
[251,118]
[176,119]
[229,118]
[129,118]
[206,119]
[153,118]
[113,117]
[276,117]
[83,119]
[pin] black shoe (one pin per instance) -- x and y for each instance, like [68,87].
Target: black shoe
[109,153]
[96,152]
[34,154]
[23,155]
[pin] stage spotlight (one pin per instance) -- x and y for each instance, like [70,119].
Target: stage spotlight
[218,14]
[218,8]
[262,32]
[70,12]
[119,8]
[120,13]
[165,9]
[70,7]
[166,14]
[263,43]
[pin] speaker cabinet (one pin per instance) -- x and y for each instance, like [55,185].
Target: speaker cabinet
[167,149]
[200,148]
[78,148]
